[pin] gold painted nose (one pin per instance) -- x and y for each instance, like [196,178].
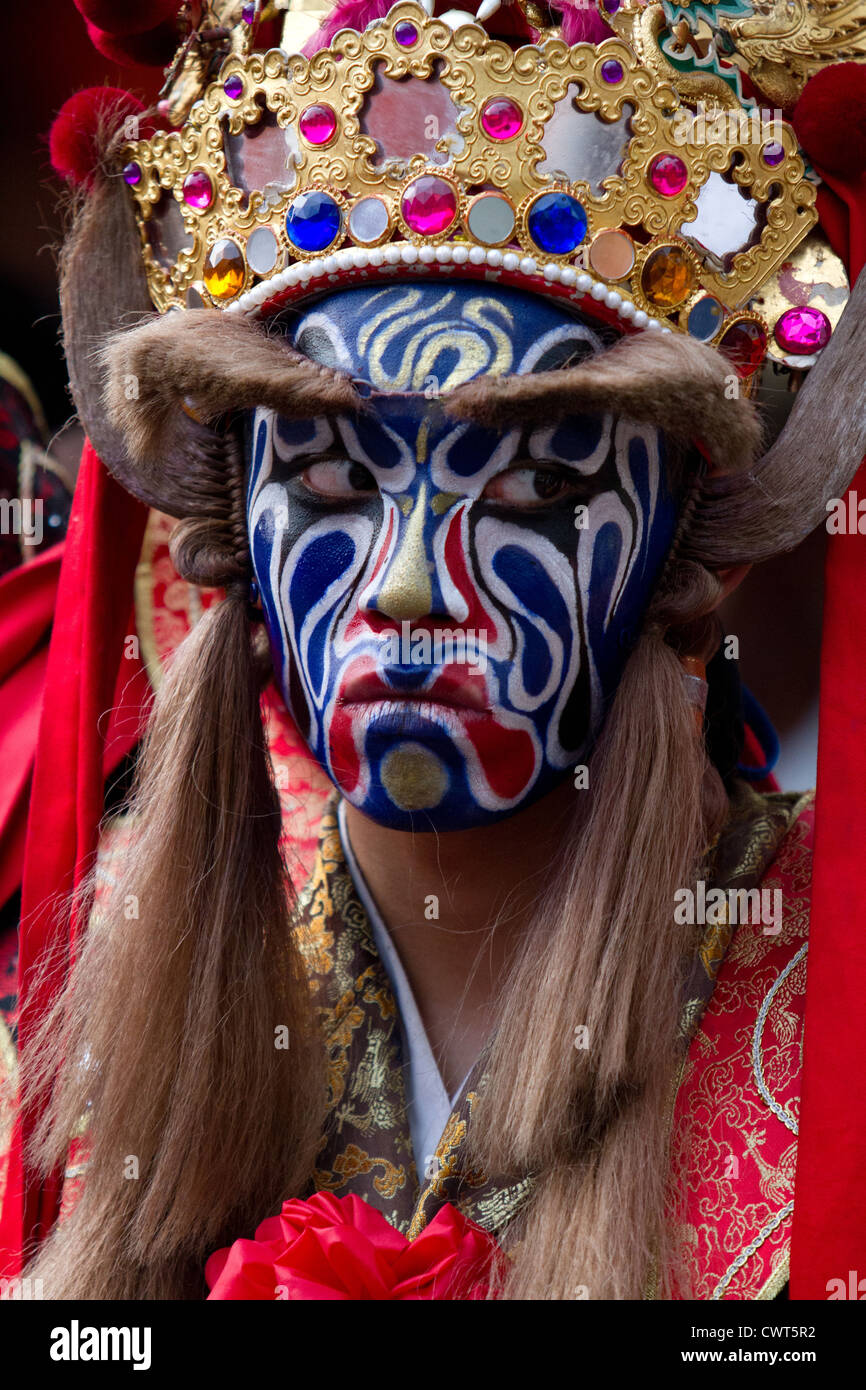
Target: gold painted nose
[406,592]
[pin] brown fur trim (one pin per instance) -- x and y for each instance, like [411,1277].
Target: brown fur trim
[663,379]
[215,363]
[102,289]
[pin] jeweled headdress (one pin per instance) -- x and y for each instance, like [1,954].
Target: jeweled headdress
[614,170]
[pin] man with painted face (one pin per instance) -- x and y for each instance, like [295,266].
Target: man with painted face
[530,552]
[461,437]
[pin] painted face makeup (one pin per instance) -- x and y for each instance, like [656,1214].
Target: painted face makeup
[450,608]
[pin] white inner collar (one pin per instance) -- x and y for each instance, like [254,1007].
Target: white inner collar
[427,1101]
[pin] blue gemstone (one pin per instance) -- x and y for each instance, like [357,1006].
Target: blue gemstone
[557,223]
[313,221]
[705,317]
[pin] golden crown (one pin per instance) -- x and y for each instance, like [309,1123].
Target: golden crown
[415,147]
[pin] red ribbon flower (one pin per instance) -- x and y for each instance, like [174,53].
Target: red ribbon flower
[342,1248]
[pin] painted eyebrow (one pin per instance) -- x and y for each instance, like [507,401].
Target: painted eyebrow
[662,379]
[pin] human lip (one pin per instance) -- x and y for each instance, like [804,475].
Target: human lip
[452,691]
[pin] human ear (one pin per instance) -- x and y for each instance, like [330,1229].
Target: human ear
[730,579]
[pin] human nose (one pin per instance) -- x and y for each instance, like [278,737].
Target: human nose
[402,589]
[408,586]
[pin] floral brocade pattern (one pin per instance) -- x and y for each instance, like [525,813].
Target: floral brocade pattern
[736,1111]
[367,1148]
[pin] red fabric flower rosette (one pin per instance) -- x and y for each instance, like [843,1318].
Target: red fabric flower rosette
[342,1248]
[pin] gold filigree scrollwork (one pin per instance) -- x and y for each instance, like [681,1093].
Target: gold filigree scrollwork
[785,42]
[472,69]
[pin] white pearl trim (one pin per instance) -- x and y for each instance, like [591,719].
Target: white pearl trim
[456,253]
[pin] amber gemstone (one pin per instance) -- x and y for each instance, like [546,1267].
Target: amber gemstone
[224,269]
[668,277]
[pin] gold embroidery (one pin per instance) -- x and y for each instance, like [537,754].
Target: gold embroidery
[714,945]
[733,1148]
[367,1147]
[355,1160]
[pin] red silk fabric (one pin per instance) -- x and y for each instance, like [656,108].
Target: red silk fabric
[83,671]
[829,1235]
[27,597]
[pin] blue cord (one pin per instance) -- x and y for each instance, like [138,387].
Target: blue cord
[759,722]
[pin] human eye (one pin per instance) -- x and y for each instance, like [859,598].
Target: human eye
[531,487]
[337,480]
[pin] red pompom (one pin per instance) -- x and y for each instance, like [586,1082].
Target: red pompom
[122,17]
[155,48]
[830,119]
[72,140]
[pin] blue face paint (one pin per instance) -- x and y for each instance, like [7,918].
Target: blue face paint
[450,608]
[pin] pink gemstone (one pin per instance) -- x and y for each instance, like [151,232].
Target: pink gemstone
[668,175]
[501,118]
[802,331]
[317,124]
[198,190]
[429,205]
